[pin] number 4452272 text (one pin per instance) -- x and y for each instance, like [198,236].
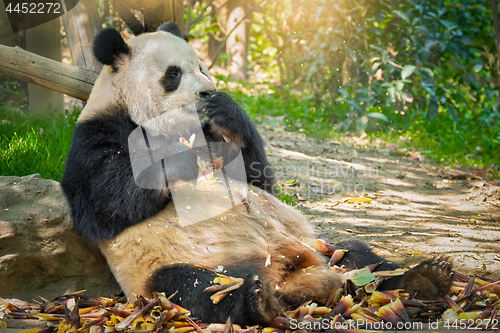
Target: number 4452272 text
[34,8]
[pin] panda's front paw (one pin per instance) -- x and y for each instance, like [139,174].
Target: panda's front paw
[220,107]
[431,279]
[228,120]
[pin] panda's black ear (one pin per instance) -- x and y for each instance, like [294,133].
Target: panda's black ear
[172,28]
[108,45]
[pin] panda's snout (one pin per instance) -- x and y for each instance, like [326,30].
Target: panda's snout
[206,93]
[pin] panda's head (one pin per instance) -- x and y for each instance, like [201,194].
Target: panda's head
[152,75]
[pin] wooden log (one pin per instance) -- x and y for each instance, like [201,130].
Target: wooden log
[67,79]
[82,24]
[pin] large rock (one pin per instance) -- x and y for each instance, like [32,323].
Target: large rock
[40,253]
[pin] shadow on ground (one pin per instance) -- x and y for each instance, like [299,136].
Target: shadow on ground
[419,209]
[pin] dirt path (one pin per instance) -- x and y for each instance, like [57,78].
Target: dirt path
[419,209]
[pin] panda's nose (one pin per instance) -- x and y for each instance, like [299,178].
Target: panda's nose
[206,93]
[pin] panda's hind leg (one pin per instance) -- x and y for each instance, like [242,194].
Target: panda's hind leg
[252,303]
[431,279]
[359,255]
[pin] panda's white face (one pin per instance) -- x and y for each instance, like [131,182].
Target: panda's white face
[161,75]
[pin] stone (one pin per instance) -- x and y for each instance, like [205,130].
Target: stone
[40,252]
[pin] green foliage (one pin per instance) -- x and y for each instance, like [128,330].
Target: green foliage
[8,87]
[282,111]
[441,139]
[285,197]
[202,22]
[34,144]
[447,141]
[418,52]
[428,67]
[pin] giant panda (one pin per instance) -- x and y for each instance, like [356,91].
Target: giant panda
[155,83]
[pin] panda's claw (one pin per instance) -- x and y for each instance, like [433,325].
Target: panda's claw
[430,280]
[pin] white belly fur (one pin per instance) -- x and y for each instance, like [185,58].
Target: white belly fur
[233,237]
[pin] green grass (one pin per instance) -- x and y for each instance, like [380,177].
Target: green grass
[39,144]
[34,144]
[473,141]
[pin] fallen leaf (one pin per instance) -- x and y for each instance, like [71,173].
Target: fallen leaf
[363,277]
[415,155]
[358,200]
[477,174]
[477,256]
[401,152]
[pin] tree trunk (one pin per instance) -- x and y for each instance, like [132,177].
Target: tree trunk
[496,26]
[155,12]
[45,40]
[7,37]
[213,48]
[236,44]
[82,24]
[216,46]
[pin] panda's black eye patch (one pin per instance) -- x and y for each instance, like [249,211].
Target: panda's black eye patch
[172,78]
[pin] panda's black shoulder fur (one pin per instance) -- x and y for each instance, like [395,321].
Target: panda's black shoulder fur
[98,180]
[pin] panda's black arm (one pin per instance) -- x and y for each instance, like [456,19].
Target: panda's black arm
[99,184]
[228,119]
